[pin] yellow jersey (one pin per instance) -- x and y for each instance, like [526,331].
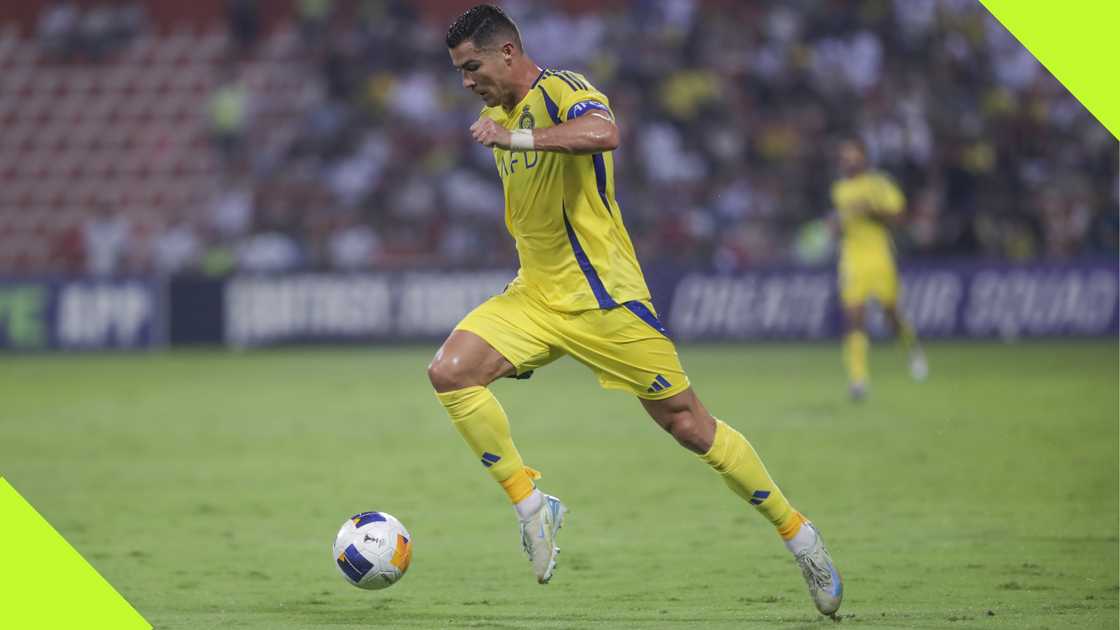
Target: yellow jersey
[574,250]
[865,240]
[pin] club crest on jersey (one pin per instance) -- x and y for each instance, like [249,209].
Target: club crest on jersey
[508,161]
[526,121]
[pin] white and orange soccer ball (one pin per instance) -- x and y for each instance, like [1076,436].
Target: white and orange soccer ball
[373,550]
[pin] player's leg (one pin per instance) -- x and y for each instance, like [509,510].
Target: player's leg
[919,367]
[463,368]
[466,360]
[900,326]
[496,340]
[854,282]
[732,456]
[856,345]
[629,350]
[726,450]
[889,294]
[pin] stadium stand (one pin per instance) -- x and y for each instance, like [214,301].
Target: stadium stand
[279,135]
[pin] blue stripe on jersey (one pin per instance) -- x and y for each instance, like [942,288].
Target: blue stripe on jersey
[605,300]
[646,315]
[565,79]
[601,179]
[538,79]
[577,110]
[550,105]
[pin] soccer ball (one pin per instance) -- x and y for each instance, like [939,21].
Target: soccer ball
[372,550]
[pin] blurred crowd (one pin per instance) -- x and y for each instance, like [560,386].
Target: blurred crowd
[69,31]
[729,113]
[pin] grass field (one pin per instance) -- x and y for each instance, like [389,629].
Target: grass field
[208,486]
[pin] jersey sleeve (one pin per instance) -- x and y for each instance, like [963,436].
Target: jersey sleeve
[891,200]
[578,97]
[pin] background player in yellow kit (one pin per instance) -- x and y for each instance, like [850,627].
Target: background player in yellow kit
[579,292]
[867,204]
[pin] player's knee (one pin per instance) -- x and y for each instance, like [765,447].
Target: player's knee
[447,376]
[689,430]
[854,320]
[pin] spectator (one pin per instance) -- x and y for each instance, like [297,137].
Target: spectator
[352,245]
[231,209]
[228,111]
[244,20]
[96,31]
[105,238]
[177,248]
[269,252]
[314,17]
[58,28]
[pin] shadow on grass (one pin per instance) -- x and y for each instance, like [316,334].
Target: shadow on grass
[389,615]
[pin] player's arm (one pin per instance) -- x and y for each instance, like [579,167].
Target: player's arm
[888,205]
[889,218]
[592,133]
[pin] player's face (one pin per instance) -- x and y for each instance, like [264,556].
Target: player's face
[484,71]
[851,159]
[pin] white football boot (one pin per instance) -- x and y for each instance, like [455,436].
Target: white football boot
[821,576]
[538,537]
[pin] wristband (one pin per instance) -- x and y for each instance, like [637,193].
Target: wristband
[521,140]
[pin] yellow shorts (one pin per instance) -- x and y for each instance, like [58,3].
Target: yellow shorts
[625,346]
[860,282]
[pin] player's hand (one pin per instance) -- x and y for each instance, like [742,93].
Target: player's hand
[490,134]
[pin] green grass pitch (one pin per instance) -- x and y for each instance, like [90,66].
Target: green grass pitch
[207,487]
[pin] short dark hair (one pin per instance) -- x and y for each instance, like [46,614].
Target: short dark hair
[480,24]
[853,139]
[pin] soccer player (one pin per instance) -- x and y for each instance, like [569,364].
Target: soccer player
[867,203]
[579,292]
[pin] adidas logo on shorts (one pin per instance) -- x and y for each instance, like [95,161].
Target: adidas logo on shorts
[659,384]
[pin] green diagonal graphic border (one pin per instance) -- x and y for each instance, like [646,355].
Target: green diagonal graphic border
[45,583]
[1077,42]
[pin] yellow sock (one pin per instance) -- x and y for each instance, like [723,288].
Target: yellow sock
[482,422]
[736,461]
[855,356]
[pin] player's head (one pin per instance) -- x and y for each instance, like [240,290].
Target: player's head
[851,156]
[485,46]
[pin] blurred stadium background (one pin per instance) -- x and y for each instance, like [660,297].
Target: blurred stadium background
[182,145]
[243,173]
